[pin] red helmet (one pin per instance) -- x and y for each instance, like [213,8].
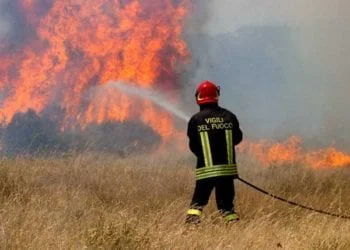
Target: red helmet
[207,92]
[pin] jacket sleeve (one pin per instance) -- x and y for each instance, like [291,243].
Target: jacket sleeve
[193,136]
[237,132]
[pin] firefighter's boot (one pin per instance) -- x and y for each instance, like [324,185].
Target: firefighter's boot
[230,217]
[193,216]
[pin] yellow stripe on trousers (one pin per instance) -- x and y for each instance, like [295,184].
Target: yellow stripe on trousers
[229,146]
[208,160]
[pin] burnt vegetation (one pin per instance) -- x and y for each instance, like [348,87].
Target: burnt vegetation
[35,134]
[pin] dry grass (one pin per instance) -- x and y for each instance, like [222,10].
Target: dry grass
[91,201]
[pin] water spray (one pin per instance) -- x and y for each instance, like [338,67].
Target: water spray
[156,97]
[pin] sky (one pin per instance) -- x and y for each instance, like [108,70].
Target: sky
[229,15]
[310,94]
[4,24]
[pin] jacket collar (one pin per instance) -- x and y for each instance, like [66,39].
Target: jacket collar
[208,106]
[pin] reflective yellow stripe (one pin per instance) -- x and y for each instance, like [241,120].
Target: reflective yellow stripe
[231,217]
[208,160]
[217,170]
[194,212]
[211,175]
[204,148]
[229,146]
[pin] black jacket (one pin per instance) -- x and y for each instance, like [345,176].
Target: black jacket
[213,134]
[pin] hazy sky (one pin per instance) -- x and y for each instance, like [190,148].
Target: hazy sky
[4,24]
[312,96]
[228,15]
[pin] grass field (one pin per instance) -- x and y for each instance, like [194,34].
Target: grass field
[99,201]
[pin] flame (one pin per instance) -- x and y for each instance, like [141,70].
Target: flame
[329,157]
[77,45]
[72,48]
[291,151]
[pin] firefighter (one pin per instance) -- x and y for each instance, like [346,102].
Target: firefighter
[213,133]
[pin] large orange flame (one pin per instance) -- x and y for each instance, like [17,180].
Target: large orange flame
[73,47]
[79,44]
[291,151]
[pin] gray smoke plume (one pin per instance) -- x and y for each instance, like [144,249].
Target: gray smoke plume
[283,66]
[4,22]
[4,28]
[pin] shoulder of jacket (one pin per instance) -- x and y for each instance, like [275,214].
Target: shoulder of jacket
[194,117]
[198,114]
[227,111]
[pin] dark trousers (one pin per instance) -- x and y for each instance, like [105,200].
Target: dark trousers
[224,192]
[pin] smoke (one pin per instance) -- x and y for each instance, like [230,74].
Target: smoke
[4,23]
[282,66]
[324,48]
[4,28]
[14,30]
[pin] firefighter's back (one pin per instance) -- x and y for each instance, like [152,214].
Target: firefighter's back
[217,134]
[213,133]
